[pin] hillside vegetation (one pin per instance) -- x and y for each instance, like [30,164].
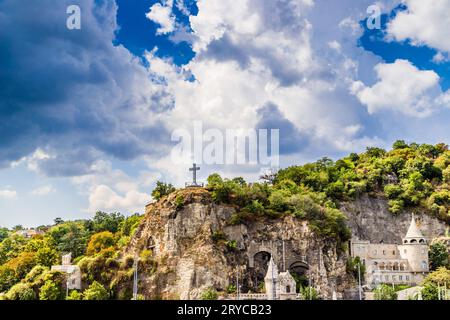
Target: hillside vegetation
[410,176]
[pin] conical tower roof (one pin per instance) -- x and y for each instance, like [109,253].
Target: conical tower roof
[413,230]
[272,271]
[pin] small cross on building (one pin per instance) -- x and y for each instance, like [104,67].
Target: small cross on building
[194,183]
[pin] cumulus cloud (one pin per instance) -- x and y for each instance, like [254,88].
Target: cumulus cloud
[77,97]
[43,191]
[8,194]
[110,189]
[103,198]
[425,22]
[162,15]
[402,88]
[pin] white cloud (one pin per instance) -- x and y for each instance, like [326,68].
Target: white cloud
[43,190]
[402,88]
[8,194]
[162,15]
[104,198]
[425,22]
[111,189]
[440,58]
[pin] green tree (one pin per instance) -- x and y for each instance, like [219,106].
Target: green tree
[103,221]
[7,278]
[58,221]
[70,237]
[47,256]
[162,189]
[400,144]
[438,255]
[21,291]
[4,232]
[385,292]
[129,225]
[446,175]
[95,292]
[99,242]
[50,291]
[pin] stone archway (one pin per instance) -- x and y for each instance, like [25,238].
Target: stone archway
[299,270]
[260,264]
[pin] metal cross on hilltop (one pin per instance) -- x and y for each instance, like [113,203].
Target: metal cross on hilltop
[194,170]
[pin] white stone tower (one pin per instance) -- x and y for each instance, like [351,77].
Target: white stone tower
[415,248]
[271,281]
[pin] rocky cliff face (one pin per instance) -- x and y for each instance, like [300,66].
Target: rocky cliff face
[196,247]
[369,219]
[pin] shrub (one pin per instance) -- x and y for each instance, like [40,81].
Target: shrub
[385,292]
[21,291]
[231,288]
[179,201]
[218,235]
[35,273]
[210,294]
[50,291]
[392,191]
[162,189]
[396,206]
[309,293]
[231,244]
[95,292]
[75,295]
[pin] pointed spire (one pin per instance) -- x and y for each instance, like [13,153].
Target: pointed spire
[272,270]
[413,230]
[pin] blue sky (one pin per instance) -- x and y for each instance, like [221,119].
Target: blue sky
[87,115]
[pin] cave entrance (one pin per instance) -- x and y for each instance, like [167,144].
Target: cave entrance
[261,263]
[299,271]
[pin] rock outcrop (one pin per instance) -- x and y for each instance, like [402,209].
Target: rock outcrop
[196,247]
[369,219]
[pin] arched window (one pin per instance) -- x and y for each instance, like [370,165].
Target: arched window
[421,241]
[288,289]
[405,242]
[413,241]
[424,265]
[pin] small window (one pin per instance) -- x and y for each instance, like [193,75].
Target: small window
[384,252]
[407,278]
[288,289]
[424,265]
[400,278]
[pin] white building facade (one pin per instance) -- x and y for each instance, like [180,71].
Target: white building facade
[406,263]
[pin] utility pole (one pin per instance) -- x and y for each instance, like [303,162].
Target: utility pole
[67,287]
[237,284]
[135,277]
[359,281]
[274,289]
